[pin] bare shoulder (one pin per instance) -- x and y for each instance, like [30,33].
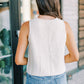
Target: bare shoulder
[25,27]
[67,27]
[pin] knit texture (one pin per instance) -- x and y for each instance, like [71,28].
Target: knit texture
[46,47]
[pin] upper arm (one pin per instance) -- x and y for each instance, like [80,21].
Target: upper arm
[70,42]
[22,42]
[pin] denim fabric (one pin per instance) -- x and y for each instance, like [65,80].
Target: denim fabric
[57,79]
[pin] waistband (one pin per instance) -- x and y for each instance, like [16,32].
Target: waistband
[45,77]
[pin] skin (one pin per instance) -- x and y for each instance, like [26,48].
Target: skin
[71,45]
[4,9]
[23,43]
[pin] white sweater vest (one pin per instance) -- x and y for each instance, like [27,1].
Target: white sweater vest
[46,47]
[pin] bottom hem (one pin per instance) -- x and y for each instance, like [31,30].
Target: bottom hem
[47,74]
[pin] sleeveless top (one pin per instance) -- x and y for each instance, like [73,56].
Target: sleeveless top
[46,47]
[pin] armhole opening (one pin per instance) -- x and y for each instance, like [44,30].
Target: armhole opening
[29,32]
[65,31]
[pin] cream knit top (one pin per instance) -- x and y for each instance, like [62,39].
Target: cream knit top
[46,47]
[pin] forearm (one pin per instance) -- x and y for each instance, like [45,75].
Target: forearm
[68,59]
[22,62]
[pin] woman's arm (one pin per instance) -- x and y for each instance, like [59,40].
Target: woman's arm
[69,59]
[22,45]
[71,45]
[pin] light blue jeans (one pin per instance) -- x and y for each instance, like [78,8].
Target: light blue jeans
[57,79]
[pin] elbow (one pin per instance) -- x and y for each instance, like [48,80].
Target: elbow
[77,58]
[17,62]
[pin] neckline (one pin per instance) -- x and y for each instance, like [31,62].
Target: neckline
[45,19]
